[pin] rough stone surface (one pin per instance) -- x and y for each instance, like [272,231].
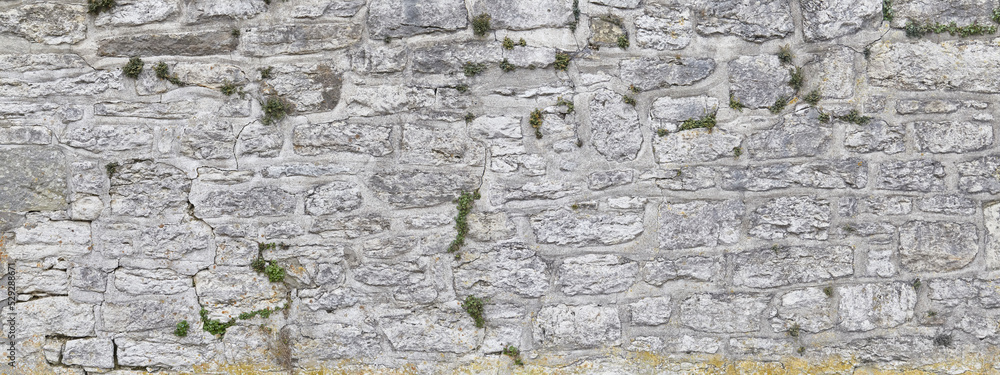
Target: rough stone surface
[952,136]
[723,313]
[803,216]
[615,127]
[597,274]
[865,307]
[580,228]
[771,267]
[577,327]
[400,18]
[937,246]
[751,20]
[915,175]
[759,81]
[650,73]
[824,20]
[700,223]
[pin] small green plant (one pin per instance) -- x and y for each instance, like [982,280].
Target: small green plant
[228,88]
[481,24]
[473,69]
[794,330]
[812,97]
[737,152]
[536,122]
[849,229]
[887,13]
[215,327]
[515,354]
[706,122]
[785,54]
[162,71]
[796,78]
[265,73]
[263,313]
[915,29]
[996,15]
[506,66]
[567,103]
[735,103]
[111,168]
[576,15]
[258,264]
[469,117]
[867,52]
[98,6]
[474,306]
[182,328]
[779,104]
[943,340]
[931,314]
[235,33]
[464,202]
[662,132]
[629,100]
[562,61]
[508,43]
[623,41]
[824,117]
[275,273]
[633,89]
[916,283]
[854,117]
[462,88]
[802,350]
[133,68]
[828,291]
[275,109]
[522,43]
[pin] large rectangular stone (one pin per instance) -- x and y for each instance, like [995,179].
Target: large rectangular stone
[957,65]
[196,43]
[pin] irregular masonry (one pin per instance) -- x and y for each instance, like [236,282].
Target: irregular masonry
[651,228]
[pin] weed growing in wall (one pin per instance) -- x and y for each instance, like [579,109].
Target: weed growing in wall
[785,54]
[506,66]
[514,354]
[162,71]
[275,109]
[536,122]
[508,43]
[623,41]
[182,328]
[98,6]
[796,78]
[274,272]
[474,306]
[576,15]
[629,100]
[887,12]
[779,104]
[567,103]
[215,327]
[812,97]
[473,69]
[562,61]
[464,201]
[854,117]
[735,103]
[133,68]
[705,122]
[481,24]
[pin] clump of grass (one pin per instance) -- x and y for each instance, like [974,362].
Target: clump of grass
[474,306]
[887,13]
[737,152]
[464,201]
[706,122]
[162,70]
[469,117]
[828,291]
[562,61]
[508,43]
[111,168]
[98,6]
[275,109]
[779,105]
[785,54]
[794,330]
[916,283]
[629,100]
[633,89]
[515,354]
[133,68]
[796,78]
[996,15]
[235,33]
[228,88]
[215,327]
[824,117]
[265,73]
[522,43]
[576,15]
[506,66]
[735,103]
[623,41]
[481,24]
[536,122]
[473,69]
[182,328]
[274,272]
[854,117]
[567,103]
[462,88]
[812,97]
[662,132]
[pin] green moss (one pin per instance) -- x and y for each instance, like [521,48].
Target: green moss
[705,122]
[623,41]
[855,117]
[462,88]
[562,61]
[794,330]
[785,54]
[474,306]
[111,168]
[779,105]
[215,327]
[796,78]
[464,201]
[576,15]
[469,117]
[265,73]
[662,132]
[629,100]
[508,43]
[522,43]
[824,117]
[812,97]
[567,103]
[275,109]
[828,291]
[133,68]
[481,24]
[98,6]
[887,13]
[182,328]
[506,66]
[536,122]
[737,152]
[228,88]
[515,354]
[735,103]
[916,29]
[473,69]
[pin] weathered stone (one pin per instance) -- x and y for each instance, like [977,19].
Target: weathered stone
[797,135]
[937,246]
[102,138]
[980,175]
[908,107]
[253,202]
[36,280]
[308,87]
[430,331]
[509,267]
[34,180]
[698,268]
[663,28]
[417,188]
[586,227]
[202,10]
[161,353]
[206,139]
[439,145]
[615,127]
[139,281]
[350,226]
[597,274]
[372,58]
[401,18]
[875,204]
[724,313]
[653,73]
[952,136]
[137,12]
[876,135]
[91,353]
[146,188]
[823,20]
[55,316]
[961,12]
[694,146]
[25,135]
[759,81]
[826,174]
[618,3]
[36,240]
[650,311]
[298,39]
[488,226]
[605,30]
[383,100]
[833,74]
[948,205]
[809,309]
[319,8]
[316,139]
[699,223]
[197,43]
[991,220]
[442,59]
[230,291]
[751,20]
[337,196]
[515,15]
[685,178]
[881,263]
[47,23]
[604,180]
[914,175]
[802,216]
[779,266]
[928,65]
[577,327]
[669,113]
[865,307]
[257,139]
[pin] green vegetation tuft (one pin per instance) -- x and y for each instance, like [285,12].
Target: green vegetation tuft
[855,117]
[469,117]
[265,73]
[228,88]
[464,201]
[812,97]
[887,12]
[576,15]
[462,88]
[796,78]
[182,328]
[506,66]
[536,122]
[215,327]
[824,117]
[473,69]
[562,61]
[706,122]
[567,103]
[916,283]
[235,33]
[737,152]
[996,15]
[275,109]
[779,104]
[133,68]
[508,43]
[263,313]
[623,41]
[794,330]
[629,100]
[111,168]
[522,43]
[481,24]
[662,132]
[785,54]
[474,306]
[828,291]
[915,29]
[515,354]
[735,103]
[633,89]
[274,272]
[98,6]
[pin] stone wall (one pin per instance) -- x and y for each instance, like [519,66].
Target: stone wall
[700,186]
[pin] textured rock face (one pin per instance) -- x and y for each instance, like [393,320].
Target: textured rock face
[401,186]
